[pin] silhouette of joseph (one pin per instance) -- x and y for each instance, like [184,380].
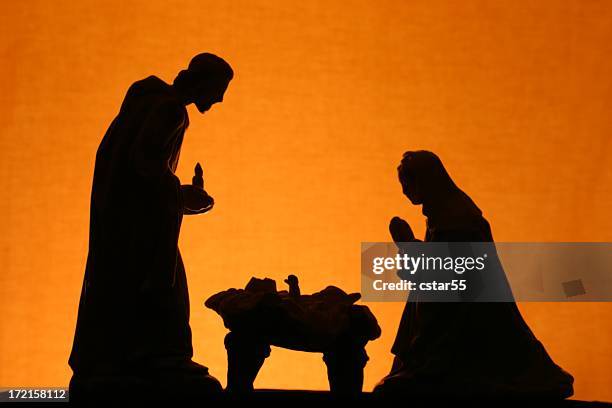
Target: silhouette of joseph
[132,331]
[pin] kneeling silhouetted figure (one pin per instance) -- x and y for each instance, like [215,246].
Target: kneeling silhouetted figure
[470,350]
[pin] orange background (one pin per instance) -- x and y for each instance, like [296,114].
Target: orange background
[515,96]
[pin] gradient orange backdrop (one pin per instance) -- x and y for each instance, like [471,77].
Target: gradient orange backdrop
[515,96]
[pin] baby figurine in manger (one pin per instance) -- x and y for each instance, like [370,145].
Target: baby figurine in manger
[327,322]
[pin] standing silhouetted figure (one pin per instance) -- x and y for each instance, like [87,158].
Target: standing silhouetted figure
[464,349]
[132,335]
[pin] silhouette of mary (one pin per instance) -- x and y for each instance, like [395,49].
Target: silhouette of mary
[464,349]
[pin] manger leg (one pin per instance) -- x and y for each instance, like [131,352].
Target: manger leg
[345,365]
[245,356]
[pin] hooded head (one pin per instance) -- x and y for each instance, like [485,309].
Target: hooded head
[425,181]
[423,178]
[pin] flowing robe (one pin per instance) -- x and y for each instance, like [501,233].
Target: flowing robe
[134,305]
[469,349]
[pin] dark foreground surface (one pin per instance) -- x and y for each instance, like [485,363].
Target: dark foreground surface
[323,398]
[286,398]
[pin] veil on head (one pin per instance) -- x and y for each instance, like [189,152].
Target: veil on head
[426,170]
[443,202]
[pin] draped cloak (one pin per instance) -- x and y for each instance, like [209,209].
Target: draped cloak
[466,348]
[134,305]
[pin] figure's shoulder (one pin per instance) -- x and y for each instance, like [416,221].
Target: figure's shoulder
[158,95]
[149,85]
